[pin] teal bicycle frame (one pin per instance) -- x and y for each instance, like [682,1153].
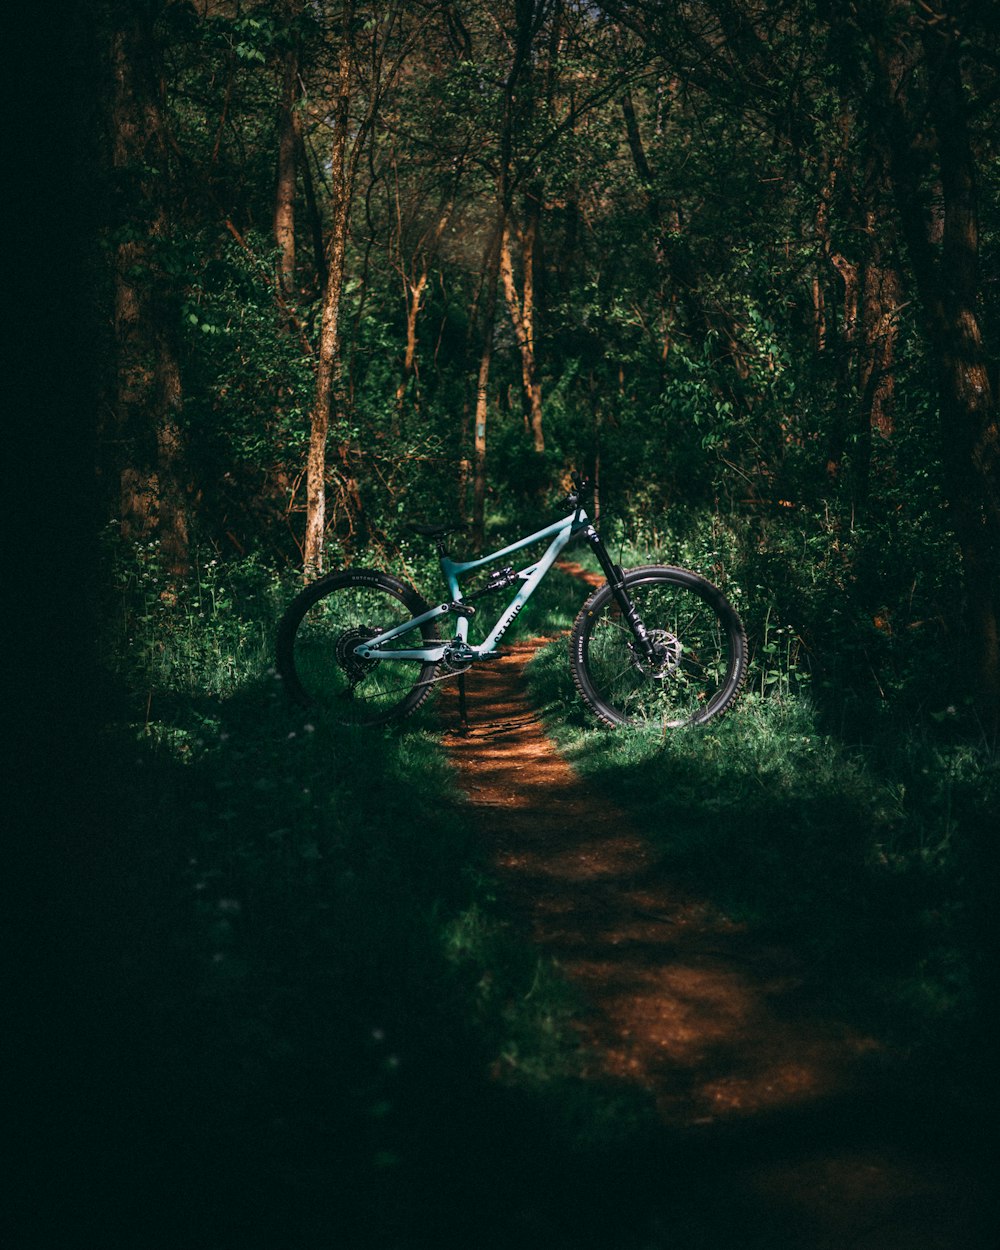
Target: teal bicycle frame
[561,532]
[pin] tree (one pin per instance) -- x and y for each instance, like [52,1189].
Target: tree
[370,54]
[289,148]
[147,387]
[920,92]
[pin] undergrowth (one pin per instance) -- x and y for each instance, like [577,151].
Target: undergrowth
[325,1023]
[306,940]
[868,857]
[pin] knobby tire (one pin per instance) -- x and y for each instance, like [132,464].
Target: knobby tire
[701,661]
[316,640]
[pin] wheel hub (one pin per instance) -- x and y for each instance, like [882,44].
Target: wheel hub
[353,665]
[665,662]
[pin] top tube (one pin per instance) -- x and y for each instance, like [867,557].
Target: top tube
[573,522]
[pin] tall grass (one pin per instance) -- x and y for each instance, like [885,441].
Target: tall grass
[210,632]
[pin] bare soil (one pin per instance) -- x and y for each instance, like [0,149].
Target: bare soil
[726,1033]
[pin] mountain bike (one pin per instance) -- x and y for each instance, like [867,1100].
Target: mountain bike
[654,645]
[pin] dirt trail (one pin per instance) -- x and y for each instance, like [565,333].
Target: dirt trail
[722,1031]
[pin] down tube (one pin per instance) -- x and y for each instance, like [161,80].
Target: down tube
[524,594]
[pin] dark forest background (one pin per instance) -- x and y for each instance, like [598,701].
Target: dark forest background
[312,271]
[359,265]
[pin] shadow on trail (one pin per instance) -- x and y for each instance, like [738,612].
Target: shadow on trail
[785,1116]
[888,931]
[259,1039]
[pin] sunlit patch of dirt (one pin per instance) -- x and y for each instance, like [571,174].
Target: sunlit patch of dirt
[577,570]
[681,1002]
[717,1026]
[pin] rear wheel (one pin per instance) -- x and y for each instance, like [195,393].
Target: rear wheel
[700,651]
[316,652]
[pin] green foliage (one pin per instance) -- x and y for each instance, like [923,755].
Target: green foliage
[861,858]
[312,945]
[250,379]
[313,948]
[691,333]
[207,634]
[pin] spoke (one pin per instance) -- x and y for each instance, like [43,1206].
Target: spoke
[692,656]
[380,689]
[676,694]
[628,670]
[619,624]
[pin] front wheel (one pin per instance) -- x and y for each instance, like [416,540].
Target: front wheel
[318,635]
[700,651]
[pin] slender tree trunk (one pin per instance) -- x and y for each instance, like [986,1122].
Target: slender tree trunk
[328,362]
[881,297]
[526,12]
[314,218]
[948,287]
[522,315]
[170,455]
[414,300]
[872,298]
[413,290]
[821,232]
[969,419]
[289,144]
[482,393]
[148,394]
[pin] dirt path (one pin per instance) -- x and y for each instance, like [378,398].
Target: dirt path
[724,1033]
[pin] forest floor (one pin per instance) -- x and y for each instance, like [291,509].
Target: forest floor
[726,1034]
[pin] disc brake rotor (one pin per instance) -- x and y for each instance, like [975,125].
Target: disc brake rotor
[666,660]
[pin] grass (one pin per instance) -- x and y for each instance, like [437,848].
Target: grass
[319,1028]
[318,1015]
[868,857]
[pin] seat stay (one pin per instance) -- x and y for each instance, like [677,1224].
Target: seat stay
[372,648]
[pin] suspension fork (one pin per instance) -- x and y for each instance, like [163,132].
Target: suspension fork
[615,575]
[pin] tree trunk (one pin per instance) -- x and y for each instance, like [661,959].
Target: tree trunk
[872,298]
[148,393]
[482,393]
[881,297]
[522,315]
[948,287]
[413,291]
[970,433]
[289,142]
[328,362]
[315,219]
[525,16]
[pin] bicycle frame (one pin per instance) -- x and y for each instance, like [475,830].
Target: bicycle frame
[561,532]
